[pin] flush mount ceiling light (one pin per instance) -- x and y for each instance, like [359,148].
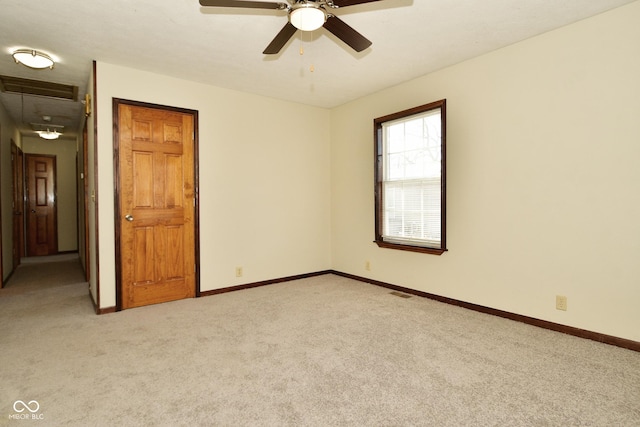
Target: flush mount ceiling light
[307,16]
[33,59]
[47,130]
[49,134]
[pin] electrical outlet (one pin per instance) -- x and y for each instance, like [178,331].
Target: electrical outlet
[367,265]
[561,302]
[238,271]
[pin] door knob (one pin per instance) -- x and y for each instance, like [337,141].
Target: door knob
[128,217]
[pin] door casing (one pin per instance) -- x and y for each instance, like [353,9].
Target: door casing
[17,166]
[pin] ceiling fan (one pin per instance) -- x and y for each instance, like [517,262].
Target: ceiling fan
[305,15]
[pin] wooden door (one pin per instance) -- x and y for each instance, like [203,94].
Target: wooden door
[156,204]
[42,232]
[17,167]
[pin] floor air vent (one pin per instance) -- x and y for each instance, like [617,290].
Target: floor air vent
[400,294]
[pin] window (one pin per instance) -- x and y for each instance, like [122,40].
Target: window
[410,179]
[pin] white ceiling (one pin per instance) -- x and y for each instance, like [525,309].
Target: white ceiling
[223,46]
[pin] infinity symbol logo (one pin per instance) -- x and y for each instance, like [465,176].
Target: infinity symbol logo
[28,406]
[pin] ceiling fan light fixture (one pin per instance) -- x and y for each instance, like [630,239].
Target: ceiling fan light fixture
[307,17]
[33,59]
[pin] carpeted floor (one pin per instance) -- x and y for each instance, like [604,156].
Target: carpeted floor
[37,273]
[323,351]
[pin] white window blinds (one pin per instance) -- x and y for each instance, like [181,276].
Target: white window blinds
[412,179]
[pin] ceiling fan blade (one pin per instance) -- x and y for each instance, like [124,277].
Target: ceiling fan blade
[281,39]
[344,32]
[242,3]
[344,3]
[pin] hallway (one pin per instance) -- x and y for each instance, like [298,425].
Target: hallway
[39,273]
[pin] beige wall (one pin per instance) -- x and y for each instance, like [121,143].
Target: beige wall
[543,172]
[8,132]
[264,179]
[92,220]
[65,152]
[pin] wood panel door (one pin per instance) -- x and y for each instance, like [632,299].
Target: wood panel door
[42,230]
[156,204]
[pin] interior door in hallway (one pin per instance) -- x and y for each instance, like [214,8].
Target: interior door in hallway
[42,231]
[156,204]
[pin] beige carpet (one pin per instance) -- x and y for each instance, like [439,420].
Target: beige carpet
[37,273]
[323,351]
